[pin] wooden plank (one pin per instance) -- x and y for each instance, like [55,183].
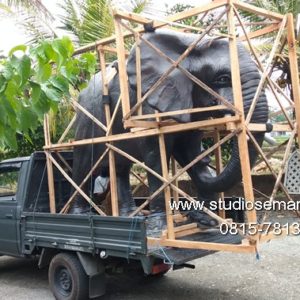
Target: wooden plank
[114,115]
[179,218]
[149,132]
[187,232]
[219,169]
[141,124]
[167,191]
[111,49]
[138,72]
[112,173]
[131,16]
[260,32]
[185,227]
[201,245]
[51,187]
[174,172]
[89,115]
[294,70]
[111,155]
[262,127]
[122,67]
[64,161]
[238,96]
[257,10]
[196,11]
[179,112]
[265,237]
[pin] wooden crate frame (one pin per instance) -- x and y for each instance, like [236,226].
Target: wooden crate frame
[221,129]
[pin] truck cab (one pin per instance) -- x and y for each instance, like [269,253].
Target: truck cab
[12,179]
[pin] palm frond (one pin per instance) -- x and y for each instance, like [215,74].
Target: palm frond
[36,28]
[91,20]
[138,6]
[30,5]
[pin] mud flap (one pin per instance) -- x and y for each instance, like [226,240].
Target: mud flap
[94,268]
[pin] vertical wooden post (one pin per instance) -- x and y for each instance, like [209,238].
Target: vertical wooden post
[112,162]
[219,168]
[138,72]
[238,102]
[175,182]
[167,191]
[122,67]
[294,69]
[51,187]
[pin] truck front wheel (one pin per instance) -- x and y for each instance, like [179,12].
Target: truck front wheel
[67,278]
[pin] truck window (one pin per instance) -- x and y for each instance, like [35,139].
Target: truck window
[8,181]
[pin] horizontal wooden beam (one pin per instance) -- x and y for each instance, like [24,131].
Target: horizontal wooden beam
[262,127]
[130,16]
[257,10]
[260,32]
[144,133]
[196,10]
[201,245]
[109,49]
[179,112]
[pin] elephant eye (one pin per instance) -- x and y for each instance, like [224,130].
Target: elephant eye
[224,79]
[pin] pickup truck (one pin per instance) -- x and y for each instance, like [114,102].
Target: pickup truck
[79,250]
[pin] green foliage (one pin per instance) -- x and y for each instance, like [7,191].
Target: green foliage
[25,145]
[35,80]
[180,8]
[88,20]
[92,20]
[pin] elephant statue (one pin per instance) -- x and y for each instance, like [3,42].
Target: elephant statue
[210,62]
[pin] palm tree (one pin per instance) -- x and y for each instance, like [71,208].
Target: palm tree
[32,15]
[91,20]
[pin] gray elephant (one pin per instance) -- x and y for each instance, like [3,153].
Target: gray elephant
[209,62]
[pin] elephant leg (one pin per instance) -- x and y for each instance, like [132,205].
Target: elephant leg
[187,148]
[125,199]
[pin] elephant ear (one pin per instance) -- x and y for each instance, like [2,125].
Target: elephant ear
[175,92]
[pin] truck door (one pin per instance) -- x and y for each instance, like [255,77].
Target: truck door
[9,174]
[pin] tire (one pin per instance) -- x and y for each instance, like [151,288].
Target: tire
[67,278]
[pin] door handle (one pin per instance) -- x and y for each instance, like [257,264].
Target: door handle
[9,216]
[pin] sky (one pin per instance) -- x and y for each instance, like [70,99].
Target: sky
[12,35]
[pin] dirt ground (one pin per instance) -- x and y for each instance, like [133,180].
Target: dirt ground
[275,275]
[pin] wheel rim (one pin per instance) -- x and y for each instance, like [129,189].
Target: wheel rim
[63,281]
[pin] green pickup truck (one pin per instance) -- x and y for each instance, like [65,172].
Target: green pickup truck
[80,250]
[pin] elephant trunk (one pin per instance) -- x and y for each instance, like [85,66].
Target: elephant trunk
[232,172]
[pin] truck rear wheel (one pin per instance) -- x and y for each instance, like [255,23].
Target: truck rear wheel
[67,278]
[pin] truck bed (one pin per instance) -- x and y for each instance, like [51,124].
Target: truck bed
[120,236]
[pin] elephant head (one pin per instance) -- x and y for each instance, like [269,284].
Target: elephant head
[210,62]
